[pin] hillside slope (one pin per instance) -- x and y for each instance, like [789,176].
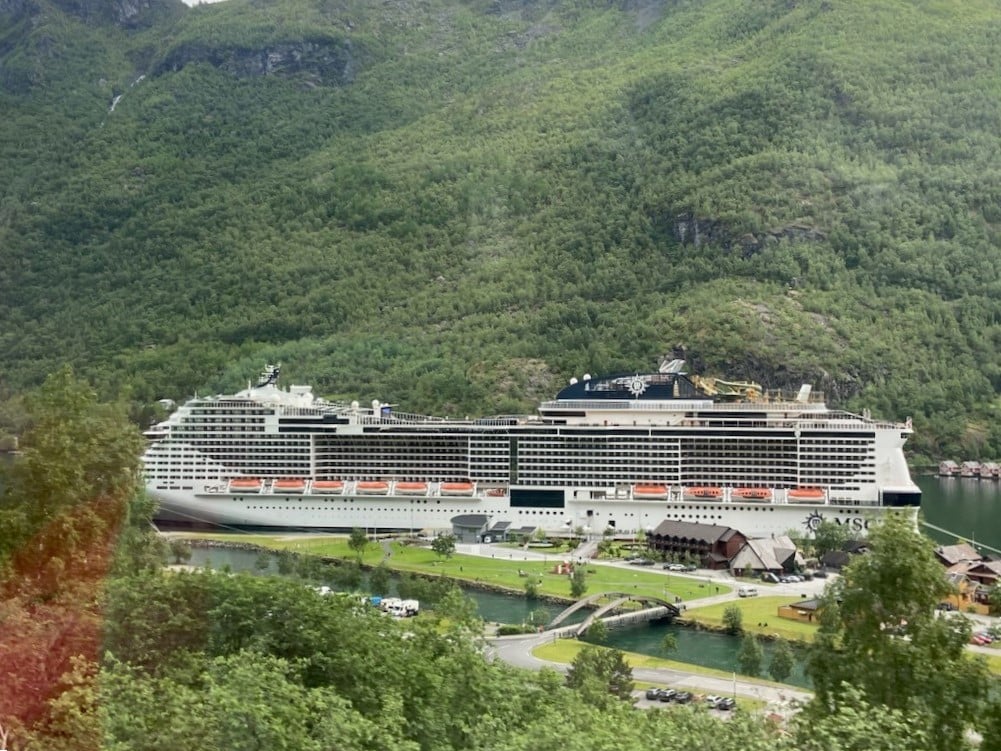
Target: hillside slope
[456,205]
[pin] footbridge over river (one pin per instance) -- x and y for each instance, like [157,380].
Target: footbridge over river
[655,609]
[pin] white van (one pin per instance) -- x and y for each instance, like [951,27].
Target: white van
[747,591]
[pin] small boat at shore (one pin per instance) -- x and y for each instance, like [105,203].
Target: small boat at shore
[328,486]
[703,494]
[245,485]
[649,491]
[297,485]
[412,488]
[456,488]
[751,494]
[807,495]
[367,487]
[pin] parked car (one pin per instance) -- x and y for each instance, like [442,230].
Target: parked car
[820,574]
[948,607]
[690,567]
[653,693]
[642,562]
[726,704]
[747,591]
[979,640]
[768,576]
[712,700]
[683,697]
[666,694]
[674,567]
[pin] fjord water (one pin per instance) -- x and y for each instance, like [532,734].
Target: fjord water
[963,507]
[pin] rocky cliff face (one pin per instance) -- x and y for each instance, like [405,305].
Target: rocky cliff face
[690,230]
[321,61]
[126,13]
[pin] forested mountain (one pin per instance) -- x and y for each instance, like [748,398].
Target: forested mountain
[454,205]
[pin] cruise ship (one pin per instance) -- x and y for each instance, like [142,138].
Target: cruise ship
[621,452]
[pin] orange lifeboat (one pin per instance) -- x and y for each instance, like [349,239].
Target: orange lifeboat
[245,485]
[327,486]
[497,492]
[703,494]
[412,488]
[752,494]
[289,486]
[649,491]
[807,495]
[366,487]
[457,488]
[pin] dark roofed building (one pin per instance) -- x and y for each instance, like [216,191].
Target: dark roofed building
[497,533]
[469,528]
[713,545]
[953,554]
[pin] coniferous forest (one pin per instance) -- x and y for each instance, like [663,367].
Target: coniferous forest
[456,205]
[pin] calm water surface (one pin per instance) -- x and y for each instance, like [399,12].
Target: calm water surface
[965,507]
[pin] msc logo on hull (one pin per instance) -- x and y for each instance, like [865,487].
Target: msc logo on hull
[855,523]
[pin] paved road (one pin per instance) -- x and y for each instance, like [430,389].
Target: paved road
[517,651]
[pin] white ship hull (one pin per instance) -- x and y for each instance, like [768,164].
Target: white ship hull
[398,513]
[623,453]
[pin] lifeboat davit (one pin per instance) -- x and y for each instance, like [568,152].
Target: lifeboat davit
[752,494]
[456,488]
[807,495]
[703,494]
[412,488]
[328,486]
[649,491]
[288,486]
[367,487]
[245,485]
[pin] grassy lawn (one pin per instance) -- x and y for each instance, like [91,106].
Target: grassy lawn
[565,650]
[504,570]
[763,610]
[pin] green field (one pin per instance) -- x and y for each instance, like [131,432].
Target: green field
[509,569]
[760,617]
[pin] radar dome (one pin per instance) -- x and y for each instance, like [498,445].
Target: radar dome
[375,405]
[587,376]
[573,381]
[354,405]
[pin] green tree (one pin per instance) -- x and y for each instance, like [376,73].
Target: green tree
[538,617]
[599,673]
[669,644]
[458,608]
[597,632]
[750,655]
[856,724]
[443,545]
[379,579]
[994,599]
[286,561]
[578,582]
[879,632]
[180,550]
[733,619]
[358,541]
[531,588]
[263,560]
[829,536]
[782,662]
